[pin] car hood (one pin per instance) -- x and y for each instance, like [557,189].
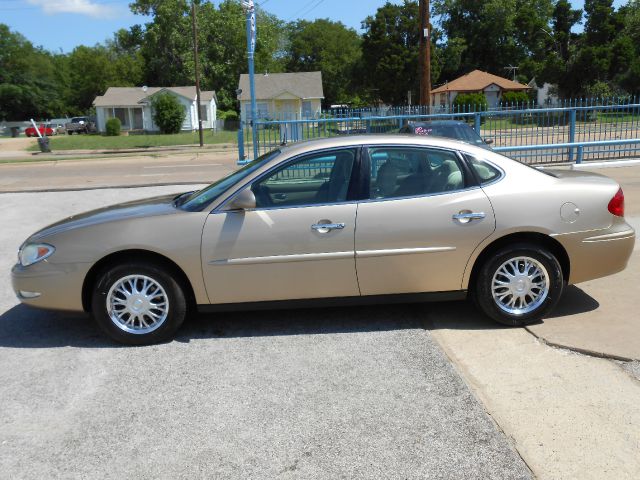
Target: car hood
[149,207]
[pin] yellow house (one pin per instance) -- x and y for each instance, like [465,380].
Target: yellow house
[283,96]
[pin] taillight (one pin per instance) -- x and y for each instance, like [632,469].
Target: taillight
[616,204]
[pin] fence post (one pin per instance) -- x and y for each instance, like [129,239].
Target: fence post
[580,153]
[240,144]
[572,132]
[476,122]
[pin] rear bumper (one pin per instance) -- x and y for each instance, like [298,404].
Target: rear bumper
[598,254]
[51,286]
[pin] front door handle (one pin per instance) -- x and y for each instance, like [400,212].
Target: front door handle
[326,227]
[466,217]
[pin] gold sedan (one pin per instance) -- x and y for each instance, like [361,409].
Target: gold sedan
[364,219]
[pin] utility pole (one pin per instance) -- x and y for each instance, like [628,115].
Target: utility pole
[194,27]
[425,54]
[250,10]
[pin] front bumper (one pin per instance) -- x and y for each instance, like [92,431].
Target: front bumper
[59,285]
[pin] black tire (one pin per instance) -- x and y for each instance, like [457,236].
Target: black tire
[482,290]
[177,303]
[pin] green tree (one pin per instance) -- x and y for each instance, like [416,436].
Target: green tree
[168,113]
[27,79]
[165,44]
[390,53]
[496,34]
[331,48]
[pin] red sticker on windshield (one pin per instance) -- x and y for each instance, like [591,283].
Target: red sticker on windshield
[422,131]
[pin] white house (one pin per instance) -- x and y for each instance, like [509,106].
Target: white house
[132,105]
[283,95]
[492,86]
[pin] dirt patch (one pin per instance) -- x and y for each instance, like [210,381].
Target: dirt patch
[19,144]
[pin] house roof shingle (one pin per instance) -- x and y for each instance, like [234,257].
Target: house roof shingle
[268,86]
[479,80]
[130,96]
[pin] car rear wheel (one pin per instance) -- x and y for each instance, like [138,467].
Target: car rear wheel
[519,285]
[138,304]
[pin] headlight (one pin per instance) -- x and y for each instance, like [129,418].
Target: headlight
[34,252]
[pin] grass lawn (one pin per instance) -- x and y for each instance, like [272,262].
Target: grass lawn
[100,142]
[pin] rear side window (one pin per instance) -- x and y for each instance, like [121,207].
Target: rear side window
[410,171]
[485,172]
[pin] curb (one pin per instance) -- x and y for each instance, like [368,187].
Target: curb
[612,164]
[105,187]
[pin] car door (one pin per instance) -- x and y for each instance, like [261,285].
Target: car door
[297,243]
[424,217]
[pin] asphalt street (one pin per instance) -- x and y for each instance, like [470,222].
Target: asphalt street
[331,393]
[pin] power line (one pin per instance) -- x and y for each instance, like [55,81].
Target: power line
[312,8]
[298,14]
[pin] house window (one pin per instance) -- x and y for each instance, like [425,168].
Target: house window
[306,109]
[122,114]
[263,110]
[204,109]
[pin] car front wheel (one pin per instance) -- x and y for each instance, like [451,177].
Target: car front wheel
[519,285]
[138,304]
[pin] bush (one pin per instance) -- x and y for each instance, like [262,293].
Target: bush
[168,113]
[113,127]
[515,98]
[228,115]
[470,102]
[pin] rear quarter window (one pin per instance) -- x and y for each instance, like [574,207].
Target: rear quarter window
[485,172]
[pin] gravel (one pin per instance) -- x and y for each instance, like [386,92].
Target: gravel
[327,393]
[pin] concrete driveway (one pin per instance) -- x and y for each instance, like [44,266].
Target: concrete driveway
[331,393]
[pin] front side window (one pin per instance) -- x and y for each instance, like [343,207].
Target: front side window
[410,171]
[315,179]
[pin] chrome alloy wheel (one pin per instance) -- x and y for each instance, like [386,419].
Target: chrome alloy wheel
[520,285]
[137,304]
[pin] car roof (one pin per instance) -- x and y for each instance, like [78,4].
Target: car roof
[438,122]
[377,139]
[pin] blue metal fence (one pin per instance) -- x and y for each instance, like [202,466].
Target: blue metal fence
[575,121]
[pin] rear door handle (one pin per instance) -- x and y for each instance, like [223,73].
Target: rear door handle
[465,217]
[326,227]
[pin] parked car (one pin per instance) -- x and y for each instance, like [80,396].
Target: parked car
[448,129]
[58,128]
[81,125]
[349,219]
[44,129]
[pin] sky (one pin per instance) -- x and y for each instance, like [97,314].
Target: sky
[61,25]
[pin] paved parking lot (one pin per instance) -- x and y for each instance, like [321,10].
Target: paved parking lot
[332,393]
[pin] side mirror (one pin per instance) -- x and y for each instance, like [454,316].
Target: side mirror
[488,141]
[245,200]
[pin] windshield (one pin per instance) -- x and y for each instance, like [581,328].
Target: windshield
[198,200]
